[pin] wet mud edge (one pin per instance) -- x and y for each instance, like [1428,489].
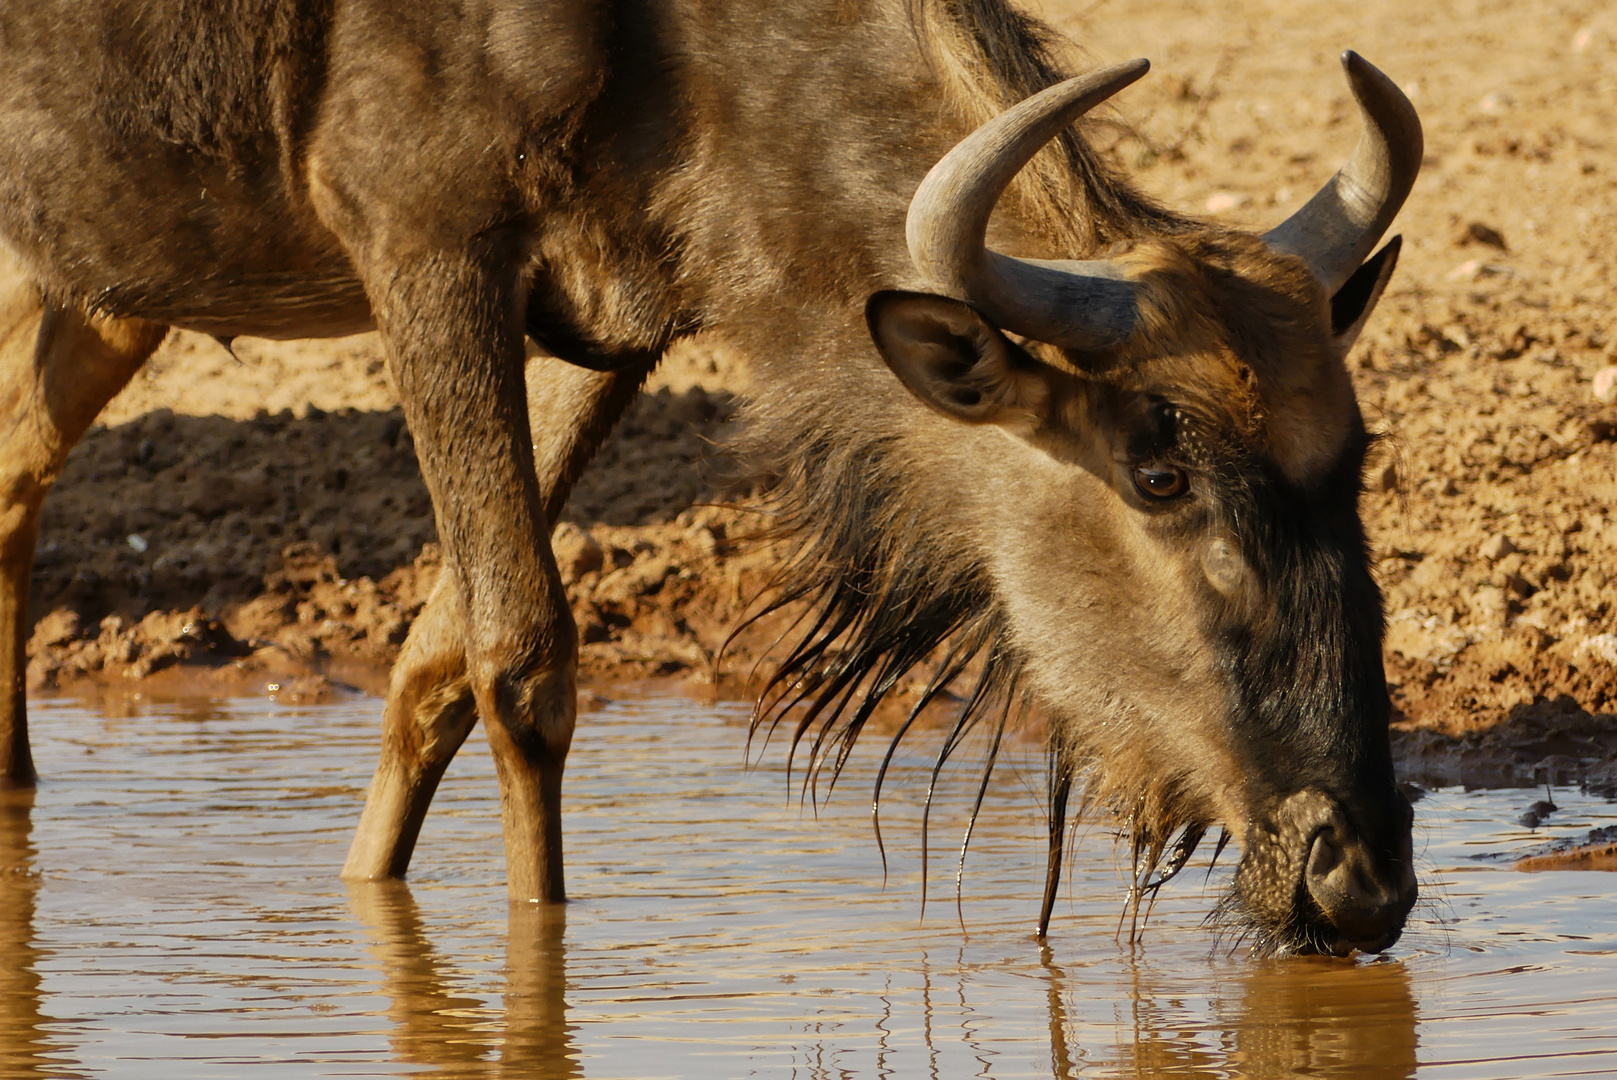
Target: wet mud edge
[652,602]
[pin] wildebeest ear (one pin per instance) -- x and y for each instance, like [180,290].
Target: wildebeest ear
[953,359]
[1356,299]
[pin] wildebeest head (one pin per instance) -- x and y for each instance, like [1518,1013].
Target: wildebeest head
[1165,457]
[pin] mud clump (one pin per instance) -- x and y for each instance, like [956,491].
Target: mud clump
[259,551]
[63,648]
[648,601]
[303,617]
[1595,850]
[170,511]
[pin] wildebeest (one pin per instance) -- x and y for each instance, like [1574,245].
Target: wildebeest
[1113,455]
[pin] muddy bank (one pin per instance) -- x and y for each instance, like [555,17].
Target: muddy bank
[299,547]
[1583,857]
[236,556]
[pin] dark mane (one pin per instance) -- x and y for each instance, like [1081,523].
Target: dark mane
[1008,55]
[882,594]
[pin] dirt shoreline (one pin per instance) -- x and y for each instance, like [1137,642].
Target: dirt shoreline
[658,603]
[238,522]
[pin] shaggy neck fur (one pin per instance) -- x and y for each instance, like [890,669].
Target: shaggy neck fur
[889,586]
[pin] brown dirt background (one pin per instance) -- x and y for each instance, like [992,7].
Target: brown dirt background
[262,520]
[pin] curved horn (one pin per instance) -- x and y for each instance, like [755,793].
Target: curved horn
[1341,224]
[1071,303]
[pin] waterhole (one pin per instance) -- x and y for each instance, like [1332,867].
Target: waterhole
[169,907]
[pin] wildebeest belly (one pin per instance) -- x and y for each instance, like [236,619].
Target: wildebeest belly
[173,241]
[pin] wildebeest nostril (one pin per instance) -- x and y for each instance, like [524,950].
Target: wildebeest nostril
[1365,903]
[1322,875]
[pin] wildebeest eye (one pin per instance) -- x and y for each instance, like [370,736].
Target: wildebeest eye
[1165,483]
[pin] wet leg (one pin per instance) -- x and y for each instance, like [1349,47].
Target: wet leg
[451,321]
[429,713]
[430,709]
[58,368]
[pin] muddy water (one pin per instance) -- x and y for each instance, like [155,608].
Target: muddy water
[169,908]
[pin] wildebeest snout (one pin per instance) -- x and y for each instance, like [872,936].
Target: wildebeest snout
[1322,875]
[1361,887]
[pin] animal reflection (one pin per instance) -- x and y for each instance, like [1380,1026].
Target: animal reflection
[1278,1019]
[26,1047]
[1275,1019]
[1284,1018]
[435,1026]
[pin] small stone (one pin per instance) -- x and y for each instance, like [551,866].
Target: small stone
[1520,585]
[1223,201]
[647,575]
[1537,638]
[57,628]
[1479,233]
[703,540]
[577,552]
[1490,603]
[1601,647]
[1605,385]
[1573,433]
[1496,547]
[138,542]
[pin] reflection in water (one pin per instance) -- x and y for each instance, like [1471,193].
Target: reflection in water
[1060,1056]
[538,1039]
[187,923]
[1318,1017]
[434,1026]
[1322,1017]
[25,1047]
[1281,1018]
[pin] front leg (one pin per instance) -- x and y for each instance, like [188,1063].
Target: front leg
[429,709]
[453,328]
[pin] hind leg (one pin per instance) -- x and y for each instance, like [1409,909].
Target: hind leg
[58,368]
[429,709]
[429,713]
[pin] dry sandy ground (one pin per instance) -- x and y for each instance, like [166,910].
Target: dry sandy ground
[265,518]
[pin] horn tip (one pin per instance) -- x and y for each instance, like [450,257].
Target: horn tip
[1129,71]
[1369,82]
[1132,70]
[1357,67]
[1361,72]
[1393,248]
